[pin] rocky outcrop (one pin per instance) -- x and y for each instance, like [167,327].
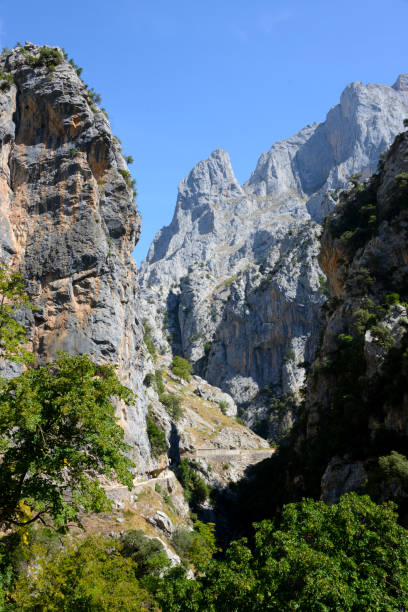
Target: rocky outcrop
[233,283]
[205,430]
[68,221]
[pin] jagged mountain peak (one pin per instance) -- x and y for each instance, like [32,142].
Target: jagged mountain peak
[236,270]
[209,180]
[401,84]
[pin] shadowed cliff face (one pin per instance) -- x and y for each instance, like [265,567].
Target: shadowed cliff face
[68,221]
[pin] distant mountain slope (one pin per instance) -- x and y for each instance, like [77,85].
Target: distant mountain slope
[233,283]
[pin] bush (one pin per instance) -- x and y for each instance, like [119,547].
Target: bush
[6,81]
[149,379]
[156,437]
[394,470]
[392,299]
[147,553]
[172,404]
[48,57]
[131,183]
[87,574]
[223,406]
[207,348]
[158,382]
[196,490]
[181,367]
[148,340]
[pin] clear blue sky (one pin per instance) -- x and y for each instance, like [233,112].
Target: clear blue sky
[180,78]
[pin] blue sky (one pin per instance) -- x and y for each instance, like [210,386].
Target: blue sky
[182,78]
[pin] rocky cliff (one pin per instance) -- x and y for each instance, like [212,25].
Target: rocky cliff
[68,223]
[233,283]
[68,220]
[352,430]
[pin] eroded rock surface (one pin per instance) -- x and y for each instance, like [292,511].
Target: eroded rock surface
[68,222]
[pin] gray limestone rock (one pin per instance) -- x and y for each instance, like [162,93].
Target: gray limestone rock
[69,222]
[233,283]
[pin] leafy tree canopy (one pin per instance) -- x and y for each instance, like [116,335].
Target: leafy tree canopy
[352,556]
[58,431]
[89,574]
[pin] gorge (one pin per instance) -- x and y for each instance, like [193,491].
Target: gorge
[264,337]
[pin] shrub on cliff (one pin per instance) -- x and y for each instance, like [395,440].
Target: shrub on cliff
[172,404]
[181,367]
[156,437]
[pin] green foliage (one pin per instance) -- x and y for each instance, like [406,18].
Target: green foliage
[290,356]
[47,57]
[195,488]
[6,81]
[223,406]
[207,348]
[355,180]
[93,97]
[75,66]
[197,546]
[57,427]
[158,382]
[89,574]
[323,285]
[156,436]
[383,336]
[351,556]
[394,470]
[355,217]
[181,367]
[131,183]
[129,159]
[12,334]
[148,340]
[392,299]
[149,379]
[172,403]
[364,318]
[147,553]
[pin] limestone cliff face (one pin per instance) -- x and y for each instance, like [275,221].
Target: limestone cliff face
[233,282]
[357,404]
[68,222]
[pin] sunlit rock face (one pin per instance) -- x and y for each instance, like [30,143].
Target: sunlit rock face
[233,283]
[68,221]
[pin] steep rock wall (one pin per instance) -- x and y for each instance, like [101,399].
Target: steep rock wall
[68,222]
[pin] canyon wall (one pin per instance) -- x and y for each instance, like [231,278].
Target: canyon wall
[69,221]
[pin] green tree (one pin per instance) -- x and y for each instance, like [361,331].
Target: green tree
[58,431]
[148,553]
[351,556]
[13,335]
[89,575]
[181,367]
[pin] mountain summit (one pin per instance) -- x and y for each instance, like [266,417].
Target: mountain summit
[233,283]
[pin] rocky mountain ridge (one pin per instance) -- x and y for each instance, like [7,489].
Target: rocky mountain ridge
[233,283]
